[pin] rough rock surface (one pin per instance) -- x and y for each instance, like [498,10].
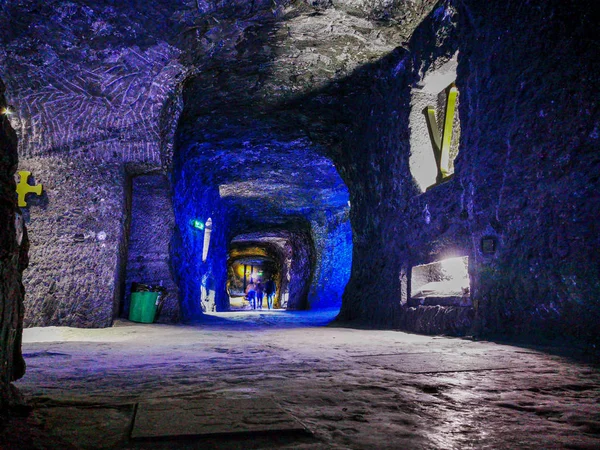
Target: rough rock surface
[332,238]
[148,253]
[77,229]
[13,260]
[354,389]
[273,113]
[102,83]
[533,181]
[526,176]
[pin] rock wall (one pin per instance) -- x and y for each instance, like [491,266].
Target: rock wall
[150,235]
[526,177]
[99,84]
[202,282]
[332,237]
[301,253]
[13,260]
[94,89]
[76,230]
[371,157]
[530,168]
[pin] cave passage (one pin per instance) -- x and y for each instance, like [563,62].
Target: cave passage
[247,271]
[252,262]
[429,166]
[249,209]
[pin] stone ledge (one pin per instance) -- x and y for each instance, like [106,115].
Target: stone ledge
[448,320]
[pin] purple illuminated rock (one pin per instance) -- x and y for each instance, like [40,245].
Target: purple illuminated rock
[13,260]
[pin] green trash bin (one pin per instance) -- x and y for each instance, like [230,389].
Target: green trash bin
[143,306]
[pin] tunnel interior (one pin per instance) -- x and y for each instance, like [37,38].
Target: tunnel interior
[245,271]
[358,152]
[274,202]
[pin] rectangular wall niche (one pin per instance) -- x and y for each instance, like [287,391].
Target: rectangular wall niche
[443,283]
[434,125]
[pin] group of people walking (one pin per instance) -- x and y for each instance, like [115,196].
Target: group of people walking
[255,293]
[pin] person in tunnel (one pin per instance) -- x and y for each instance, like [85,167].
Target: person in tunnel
[251,294]
[260,294]
[270,289]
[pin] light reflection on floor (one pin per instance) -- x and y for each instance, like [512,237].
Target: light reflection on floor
[357,389]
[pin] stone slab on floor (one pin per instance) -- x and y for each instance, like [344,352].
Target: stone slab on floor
[86,427]
[431,362]
[212,417]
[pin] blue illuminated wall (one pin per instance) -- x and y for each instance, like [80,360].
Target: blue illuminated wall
[333,246]
[201,283]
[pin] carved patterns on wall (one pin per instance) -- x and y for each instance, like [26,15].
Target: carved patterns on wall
[108,110]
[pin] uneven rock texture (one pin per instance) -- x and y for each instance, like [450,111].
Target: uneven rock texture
[533,181]
[89,79]
[332,237]
[353,389]
[148,255]
[448,320]
[273,114]
[522,74]
[103,82]
[88,82]
[13,260]
[77,228]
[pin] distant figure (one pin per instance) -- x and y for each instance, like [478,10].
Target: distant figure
[270,289]
[260,293]
[251,294]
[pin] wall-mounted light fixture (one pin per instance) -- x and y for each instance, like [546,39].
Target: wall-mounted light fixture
[489,244]
[8,110]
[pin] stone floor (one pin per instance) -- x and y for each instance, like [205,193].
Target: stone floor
[351,389]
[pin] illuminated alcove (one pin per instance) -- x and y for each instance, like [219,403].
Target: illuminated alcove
[434,125]
[445,282]
[206,244]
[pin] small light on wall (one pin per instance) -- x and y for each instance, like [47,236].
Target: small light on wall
[8,110]
[489,245]
[197,224]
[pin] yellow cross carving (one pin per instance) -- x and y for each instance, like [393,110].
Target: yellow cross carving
[24,188]
[441,144]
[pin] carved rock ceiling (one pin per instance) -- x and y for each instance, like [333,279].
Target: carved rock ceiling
[124,81]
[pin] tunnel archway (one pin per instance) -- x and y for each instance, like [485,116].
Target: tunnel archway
[258,181]
[288,257]
[301,221]
[245,272]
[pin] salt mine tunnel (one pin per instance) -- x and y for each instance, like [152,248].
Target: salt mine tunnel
[422,166]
